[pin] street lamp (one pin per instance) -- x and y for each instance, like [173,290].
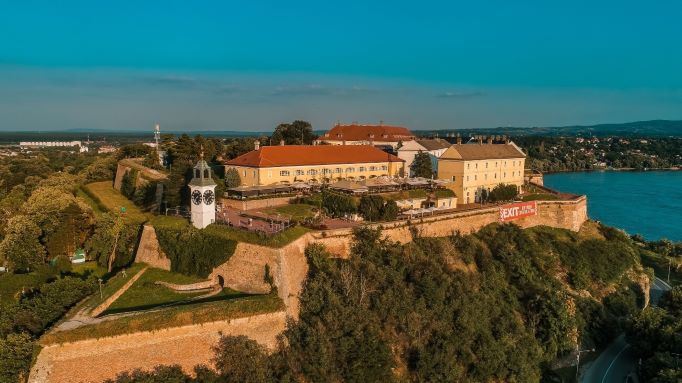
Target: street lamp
[577,364]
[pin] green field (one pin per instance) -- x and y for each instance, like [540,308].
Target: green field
[107,198]
[144,294]
[297,212]
[171,317]
[112,285]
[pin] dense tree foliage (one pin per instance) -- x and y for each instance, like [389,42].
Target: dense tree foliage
[373,207]
[655,334]
[422,166]
[232,178]
[295,133]
[337,205]
[486,307]
[502,192]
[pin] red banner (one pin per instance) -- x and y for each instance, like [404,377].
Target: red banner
[518,210]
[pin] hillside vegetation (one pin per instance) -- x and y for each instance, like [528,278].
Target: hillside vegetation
[498,305]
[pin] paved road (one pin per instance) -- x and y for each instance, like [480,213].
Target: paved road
[618,360]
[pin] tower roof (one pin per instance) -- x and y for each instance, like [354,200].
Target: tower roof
[201,175]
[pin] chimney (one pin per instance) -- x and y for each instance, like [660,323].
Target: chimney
[256,145]
[490,140]
[480,140]
[459,140]
[281,142]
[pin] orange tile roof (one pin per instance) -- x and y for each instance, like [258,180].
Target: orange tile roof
[307,155]
[355,132]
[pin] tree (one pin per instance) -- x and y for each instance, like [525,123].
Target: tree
[21,246]
[370,207]
[295,133]
[422,166]
[240,359]
[232,178]
[389,211]
[16,353]
[503,192]
[337,205]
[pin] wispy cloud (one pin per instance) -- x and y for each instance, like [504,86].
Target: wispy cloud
[460,95]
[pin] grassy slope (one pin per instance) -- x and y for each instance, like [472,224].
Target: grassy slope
[171,317]
[108,198]
[11,284]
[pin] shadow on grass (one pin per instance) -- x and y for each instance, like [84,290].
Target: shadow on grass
[185,302]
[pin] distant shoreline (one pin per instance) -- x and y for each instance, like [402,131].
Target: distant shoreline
[671,169]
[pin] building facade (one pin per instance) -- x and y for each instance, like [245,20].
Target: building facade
[356,134]
[287,164]
[474,167]
[434,147]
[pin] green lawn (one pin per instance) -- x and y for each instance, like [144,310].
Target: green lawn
[297,212]
[11,284]
[172,317]
[97,208]
[405,194]
[235,234]
[144,294]
[112,285]
[89,268]
[105,196]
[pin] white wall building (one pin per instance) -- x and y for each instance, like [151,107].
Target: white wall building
[434,147]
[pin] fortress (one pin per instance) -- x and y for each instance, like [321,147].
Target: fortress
[245,271]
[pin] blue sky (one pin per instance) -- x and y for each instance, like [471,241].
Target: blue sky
[248,65]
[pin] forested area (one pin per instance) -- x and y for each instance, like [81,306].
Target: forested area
[491,306]
[553,154]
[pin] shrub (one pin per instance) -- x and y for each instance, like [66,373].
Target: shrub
[371,207]
[337,205]
[192,251]
[503,192]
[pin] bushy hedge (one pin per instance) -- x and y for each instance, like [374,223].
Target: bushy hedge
[375,208]
[337,205]
[192,251]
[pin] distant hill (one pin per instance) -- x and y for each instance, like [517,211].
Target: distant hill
[639,128]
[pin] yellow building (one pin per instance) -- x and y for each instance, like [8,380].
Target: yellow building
[475,167]
[286,164]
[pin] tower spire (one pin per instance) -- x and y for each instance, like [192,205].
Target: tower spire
[201,153]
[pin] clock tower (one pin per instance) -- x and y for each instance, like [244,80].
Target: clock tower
[202,194]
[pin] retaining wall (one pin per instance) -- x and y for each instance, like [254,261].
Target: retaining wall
[250,204]
[95,360]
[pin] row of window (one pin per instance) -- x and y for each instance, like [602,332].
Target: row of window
[514,163]
[504,175]
[314,172]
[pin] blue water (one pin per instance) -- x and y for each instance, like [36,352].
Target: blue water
[648,203]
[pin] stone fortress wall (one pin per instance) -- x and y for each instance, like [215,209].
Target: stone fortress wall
[245,271]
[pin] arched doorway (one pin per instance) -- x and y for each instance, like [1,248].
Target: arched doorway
[221,281]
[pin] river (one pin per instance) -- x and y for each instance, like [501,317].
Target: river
[646,202]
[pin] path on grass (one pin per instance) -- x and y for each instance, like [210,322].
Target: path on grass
[88,316]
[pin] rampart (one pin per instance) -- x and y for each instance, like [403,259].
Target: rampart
[245,271]
[95,360]
[250,204]
[144,174]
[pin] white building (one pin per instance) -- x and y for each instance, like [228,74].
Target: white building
[434,147]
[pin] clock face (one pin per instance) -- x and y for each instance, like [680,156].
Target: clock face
[196,197]
[209,197]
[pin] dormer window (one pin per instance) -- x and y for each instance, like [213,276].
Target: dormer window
[371,136]
[385,136]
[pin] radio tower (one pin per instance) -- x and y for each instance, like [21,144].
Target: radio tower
[157,135]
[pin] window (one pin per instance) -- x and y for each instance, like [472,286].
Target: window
[196,173]
[244,173]
[476,166]
[453,178]
[254,174]
[467,178]
[326,171]
[205,173]
[284,173]
[384,167]
[475,177]
[362,169]
[300,172]
[486,176]
[269,173]
[372,168]
[350,170]
[505,174]
[495,163]
[312,172]
[468,166]
[495,175]
[338,170]
[486,165]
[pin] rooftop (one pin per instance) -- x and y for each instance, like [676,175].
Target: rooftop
[482,151]
[357,132]
[434,144]
[307,155]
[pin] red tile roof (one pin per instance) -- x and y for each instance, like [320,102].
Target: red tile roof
[307,155]
[355,132]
